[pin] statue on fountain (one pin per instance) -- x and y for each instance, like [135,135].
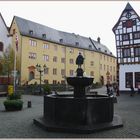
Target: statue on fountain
[79,62]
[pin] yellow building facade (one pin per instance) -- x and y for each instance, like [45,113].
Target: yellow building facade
[58,52]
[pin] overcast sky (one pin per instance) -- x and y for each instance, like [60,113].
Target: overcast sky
[86,18]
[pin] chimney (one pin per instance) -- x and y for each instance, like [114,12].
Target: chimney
[98,39]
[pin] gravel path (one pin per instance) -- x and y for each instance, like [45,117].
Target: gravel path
[19,124]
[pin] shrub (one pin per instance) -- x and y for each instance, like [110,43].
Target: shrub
[12,105]
[47,88]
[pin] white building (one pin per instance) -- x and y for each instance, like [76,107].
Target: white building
[5,39]
[127,36]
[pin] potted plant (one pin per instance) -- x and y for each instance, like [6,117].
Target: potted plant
[13,102]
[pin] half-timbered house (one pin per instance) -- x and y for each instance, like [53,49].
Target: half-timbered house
[127,36]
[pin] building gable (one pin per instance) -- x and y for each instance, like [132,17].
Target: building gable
[4,38]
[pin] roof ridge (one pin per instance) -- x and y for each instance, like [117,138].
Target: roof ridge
[35,22]
[56,35]
[128,7]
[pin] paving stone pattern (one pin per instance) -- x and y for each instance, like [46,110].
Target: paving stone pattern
[19,124]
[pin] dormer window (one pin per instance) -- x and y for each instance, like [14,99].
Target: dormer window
[31,32]
[61,40]
[90,46]
[43,35]
[111,53]
[99,49]
[106,51]
[77,43]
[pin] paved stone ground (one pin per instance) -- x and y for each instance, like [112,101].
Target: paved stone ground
[19,124]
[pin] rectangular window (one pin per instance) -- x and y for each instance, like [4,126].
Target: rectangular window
[71,72]
[54,71]
[128,79]
[46,71]
[104,67]
[62,60]
[91,63]
[101,66]
[136,35]
[125,37]
[107,68]
[45,57]
[137,51]
[62,72]
[46,81]
[54,82]
[55,59]
[92,53]
[126,52]
[113,60]
[33,43]
[71,50]
[104,57]
[111,68]
[63,49]
[114,68]
[137,79]
[114,78]
[55,47]
[32,55]
[107,58]
[110,77]
[71,61]
[101,56]
[92,73]
[45,46]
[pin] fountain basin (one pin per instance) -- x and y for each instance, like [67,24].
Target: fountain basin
[65,113]
[80,81]
[65,109]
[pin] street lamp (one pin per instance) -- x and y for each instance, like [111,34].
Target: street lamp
[7,61]
[40,70]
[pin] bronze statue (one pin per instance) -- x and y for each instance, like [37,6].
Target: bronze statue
[79,60]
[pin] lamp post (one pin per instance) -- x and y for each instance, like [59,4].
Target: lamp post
[7,62]
[40,70]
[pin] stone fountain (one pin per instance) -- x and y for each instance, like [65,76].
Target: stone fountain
[80,112]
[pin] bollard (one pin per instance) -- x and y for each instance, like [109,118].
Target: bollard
[29,104]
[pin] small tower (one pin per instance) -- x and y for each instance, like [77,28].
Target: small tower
[127,36]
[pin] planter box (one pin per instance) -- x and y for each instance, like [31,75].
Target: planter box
[13,105]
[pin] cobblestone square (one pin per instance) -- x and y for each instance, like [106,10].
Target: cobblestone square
[19,124]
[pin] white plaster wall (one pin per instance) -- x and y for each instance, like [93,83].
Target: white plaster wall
[127,68]
[3,35]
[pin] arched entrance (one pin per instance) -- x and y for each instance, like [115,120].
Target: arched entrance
[31,75]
